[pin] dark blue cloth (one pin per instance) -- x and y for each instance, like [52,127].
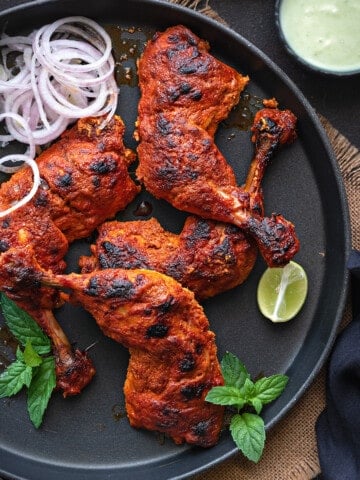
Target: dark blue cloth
[338,426]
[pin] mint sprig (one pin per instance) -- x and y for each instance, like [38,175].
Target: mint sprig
[23,327]
[240,392]
[248,432]
[40,390]
[31,369]
[14,378]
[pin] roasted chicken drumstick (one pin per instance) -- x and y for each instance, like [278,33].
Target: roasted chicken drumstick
[84,180]
[173,361]
[185,93]
[208,257]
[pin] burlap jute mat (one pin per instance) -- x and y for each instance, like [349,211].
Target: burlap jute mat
[290,452]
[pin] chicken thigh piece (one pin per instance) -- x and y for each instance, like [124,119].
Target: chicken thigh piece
[185,93]
[178,76]
[173,352]
[207,257]
[84,180]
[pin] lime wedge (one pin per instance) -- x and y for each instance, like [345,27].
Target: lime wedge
[282,292]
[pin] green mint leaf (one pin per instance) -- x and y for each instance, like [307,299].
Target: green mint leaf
[247,390]
[257,404]
[23,327]
[247,429]
[268,389]
[233,371]
[31,358]
[248,432]
[20,355]
[13,378]
[230,396]
[40,390]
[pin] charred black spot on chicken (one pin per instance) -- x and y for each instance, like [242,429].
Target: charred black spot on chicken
[187,364]
[158,330]
[193,391]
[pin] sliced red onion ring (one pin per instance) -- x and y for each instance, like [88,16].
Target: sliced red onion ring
[42,41]
[65,71]
[60,104]
[41,134]
[6,40]
[36,180]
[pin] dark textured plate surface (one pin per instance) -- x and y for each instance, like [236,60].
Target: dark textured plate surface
[84,437]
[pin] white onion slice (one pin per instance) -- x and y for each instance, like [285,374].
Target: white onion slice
[60,104]
[43,50]
[19,39]
[67,69]
[41,135]
[36,181]
[28,159]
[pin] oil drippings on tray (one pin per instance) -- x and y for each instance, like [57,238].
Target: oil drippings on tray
[143,209]
[242,115]
[160,437]
[118,412]
[8,346]
[128,44]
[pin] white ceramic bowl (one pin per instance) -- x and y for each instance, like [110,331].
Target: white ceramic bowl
[287,25]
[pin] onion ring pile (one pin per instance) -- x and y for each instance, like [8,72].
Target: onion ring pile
[62,72]
[59,73]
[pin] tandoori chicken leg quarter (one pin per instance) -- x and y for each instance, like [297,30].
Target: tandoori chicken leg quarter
[173,361]
[84,180]
[208,257]
[185,93]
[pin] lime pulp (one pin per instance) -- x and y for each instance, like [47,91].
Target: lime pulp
[282,292]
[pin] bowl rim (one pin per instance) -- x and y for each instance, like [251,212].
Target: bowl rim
[302,60]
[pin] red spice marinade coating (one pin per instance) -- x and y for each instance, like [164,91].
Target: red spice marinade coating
[84,180]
